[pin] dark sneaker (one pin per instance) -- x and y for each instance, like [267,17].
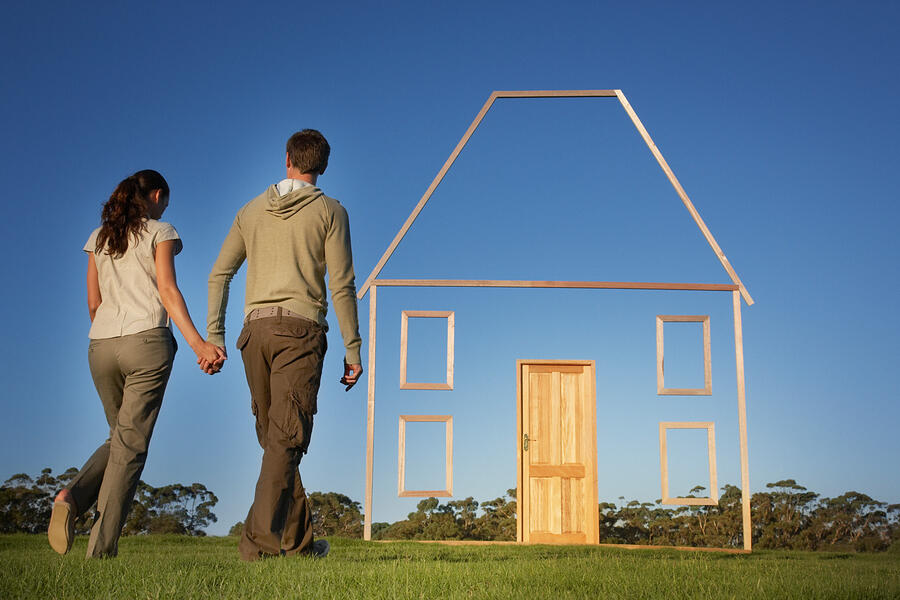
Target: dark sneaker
[320,549]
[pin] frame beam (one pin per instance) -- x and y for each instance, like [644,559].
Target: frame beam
[587,285]
[742,422]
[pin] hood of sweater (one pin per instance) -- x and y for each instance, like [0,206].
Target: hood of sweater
[289,197]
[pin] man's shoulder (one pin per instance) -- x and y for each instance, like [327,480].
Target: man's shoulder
[333,204]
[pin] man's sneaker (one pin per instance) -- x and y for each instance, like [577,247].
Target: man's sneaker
[320,549]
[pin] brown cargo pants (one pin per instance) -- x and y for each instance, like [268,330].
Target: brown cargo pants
[283,362]
[130,373]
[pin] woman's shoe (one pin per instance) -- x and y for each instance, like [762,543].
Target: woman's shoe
[61,532]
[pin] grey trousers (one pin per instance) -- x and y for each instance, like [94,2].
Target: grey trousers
[130,373]
[283,362]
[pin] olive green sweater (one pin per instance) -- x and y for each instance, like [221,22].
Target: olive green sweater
[289,242]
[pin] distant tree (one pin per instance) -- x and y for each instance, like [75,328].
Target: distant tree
[237,528]
[26,504]
[335,514]
[780,515]
[174,508]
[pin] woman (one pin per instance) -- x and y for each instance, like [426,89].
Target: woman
[132,294]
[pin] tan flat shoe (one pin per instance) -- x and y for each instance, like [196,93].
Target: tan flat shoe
[61,532]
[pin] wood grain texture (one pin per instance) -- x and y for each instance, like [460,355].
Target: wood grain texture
[661,388]
[742,422]
[558,471]
[713,498]
[404,348]
[402,492]
[588,285]
[557,94]
[370,417]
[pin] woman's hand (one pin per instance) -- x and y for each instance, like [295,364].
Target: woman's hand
[210,357]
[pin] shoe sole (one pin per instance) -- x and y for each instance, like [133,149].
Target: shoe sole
[61,531]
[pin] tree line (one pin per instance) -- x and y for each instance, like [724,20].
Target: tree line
[26,503]
[785,516]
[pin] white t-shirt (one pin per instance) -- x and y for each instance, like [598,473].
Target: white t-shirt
[130,301]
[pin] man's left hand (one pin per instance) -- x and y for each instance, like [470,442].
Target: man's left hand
[351,375]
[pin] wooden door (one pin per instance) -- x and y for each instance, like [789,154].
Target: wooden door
[557,426]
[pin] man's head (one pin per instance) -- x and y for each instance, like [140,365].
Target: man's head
[307,152]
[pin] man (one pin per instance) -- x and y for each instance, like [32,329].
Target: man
[290,236]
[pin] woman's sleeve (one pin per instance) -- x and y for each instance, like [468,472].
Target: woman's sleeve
[165,233]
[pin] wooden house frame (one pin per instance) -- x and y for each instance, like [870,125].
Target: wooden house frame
[736,288]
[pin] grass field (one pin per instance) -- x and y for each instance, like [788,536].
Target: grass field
[184,567]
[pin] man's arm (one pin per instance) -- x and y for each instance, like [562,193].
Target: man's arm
[341,282]
[230,259]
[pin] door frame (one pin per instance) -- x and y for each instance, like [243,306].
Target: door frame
[520,471]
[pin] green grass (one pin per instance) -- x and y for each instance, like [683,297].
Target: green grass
[184,567]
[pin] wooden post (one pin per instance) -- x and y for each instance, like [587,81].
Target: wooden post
[370,416]
[742,421]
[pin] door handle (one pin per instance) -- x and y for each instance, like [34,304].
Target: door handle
[525,441]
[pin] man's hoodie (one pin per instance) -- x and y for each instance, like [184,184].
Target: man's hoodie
[290,236]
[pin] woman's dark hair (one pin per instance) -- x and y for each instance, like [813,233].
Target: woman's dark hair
[124,213]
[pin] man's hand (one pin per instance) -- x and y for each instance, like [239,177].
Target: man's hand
[351,375]
[211,367]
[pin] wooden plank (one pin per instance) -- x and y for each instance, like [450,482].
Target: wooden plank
[451,331]
[425,197]
[590,452]
[742,423]
[683,318]
[613,546]
[557,471]
[425,314]
[707,357]
[684,392]
[663,463]
[402,492]
[523,496]
[541,537]
[425,494]
[401,457]
[449,459]
[686,424]
[680,501]
[370,416]
[711,451]
[660,349]
[556,94]
[404,348]
[590,285]
[518,442]
[684,197]
[710,500]
[412,385]
[661,388]
[427,418]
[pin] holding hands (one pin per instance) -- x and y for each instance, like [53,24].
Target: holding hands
[210,357]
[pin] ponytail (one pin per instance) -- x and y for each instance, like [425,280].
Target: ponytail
[125,212]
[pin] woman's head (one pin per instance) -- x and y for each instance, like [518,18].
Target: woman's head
[142,195]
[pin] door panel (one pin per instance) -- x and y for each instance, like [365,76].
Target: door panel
[557,452]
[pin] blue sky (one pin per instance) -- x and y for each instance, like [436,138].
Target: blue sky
[778,119]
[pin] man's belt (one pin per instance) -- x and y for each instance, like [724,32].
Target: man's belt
[273,311]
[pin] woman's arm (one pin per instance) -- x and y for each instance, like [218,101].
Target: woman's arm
[93,287]
[177,309]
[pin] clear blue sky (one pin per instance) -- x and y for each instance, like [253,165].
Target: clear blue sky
[779,120]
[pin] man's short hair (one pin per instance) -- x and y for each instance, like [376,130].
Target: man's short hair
[308,151]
